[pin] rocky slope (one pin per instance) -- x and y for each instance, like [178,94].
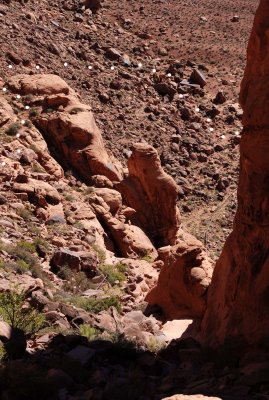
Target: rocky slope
[110,57]
[84,254]
[106,132]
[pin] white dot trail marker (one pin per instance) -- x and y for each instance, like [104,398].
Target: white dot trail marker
[208,120]
[18,96]
[18,151]
[90,67]
[112,68]
[18,135]
[223,136]
[22,121]
[10,66]
[37,67]
[27,107]
[197,109]
[140,65]
[169,75]
[181,96]
[154,71]
[4,89]
[65,64]
[211,129]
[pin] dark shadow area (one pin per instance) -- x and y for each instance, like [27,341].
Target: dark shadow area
[71,367]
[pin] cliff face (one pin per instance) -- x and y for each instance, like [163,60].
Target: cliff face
[238,299]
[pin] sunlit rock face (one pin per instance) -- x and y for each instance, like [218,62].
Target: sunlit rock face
[238,301]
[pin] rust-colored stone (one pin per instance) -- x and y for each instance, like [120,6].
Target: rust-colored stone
[238,301]
[153,194]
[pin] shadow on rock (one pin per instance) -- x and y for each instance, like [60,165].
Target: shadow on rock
[71,367]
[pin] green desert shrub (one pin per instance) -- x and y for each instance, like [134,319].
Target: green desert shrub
[96,305]
[13,129]
[89,332]
[18,314]
[113,273]
[24,213]
[154,345]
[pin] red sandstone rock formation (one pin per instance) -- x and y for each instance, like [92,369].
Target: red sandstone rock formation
[153,194]
[69,125]
[130,240]
[6,112]
[238,302]
[38,84]
[183,280]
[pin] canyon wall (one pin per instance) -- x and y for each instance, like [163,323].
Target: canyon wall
[238,298]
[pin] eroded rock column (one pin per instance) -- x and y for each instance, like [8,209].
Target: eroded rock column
[238,300]
[153,194]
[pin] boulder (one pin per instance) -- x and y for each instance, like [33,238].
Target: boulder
[176,329]
[72,131]
[183,281]
[5,331]
[197,77]
[76,260]
[9,169]
[238,298]
[130,240]
[79,140]
[111,197]
[153,194]
[6,112]
[38,190]
[93,5]
[142,277]
[40,84]
[24,283]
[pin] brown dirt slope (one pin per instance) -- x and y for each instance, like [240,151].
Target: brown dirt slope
[170,37]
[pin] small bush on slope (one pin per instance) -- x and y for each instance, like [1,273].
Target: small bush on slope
[17,314]
[96,305]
